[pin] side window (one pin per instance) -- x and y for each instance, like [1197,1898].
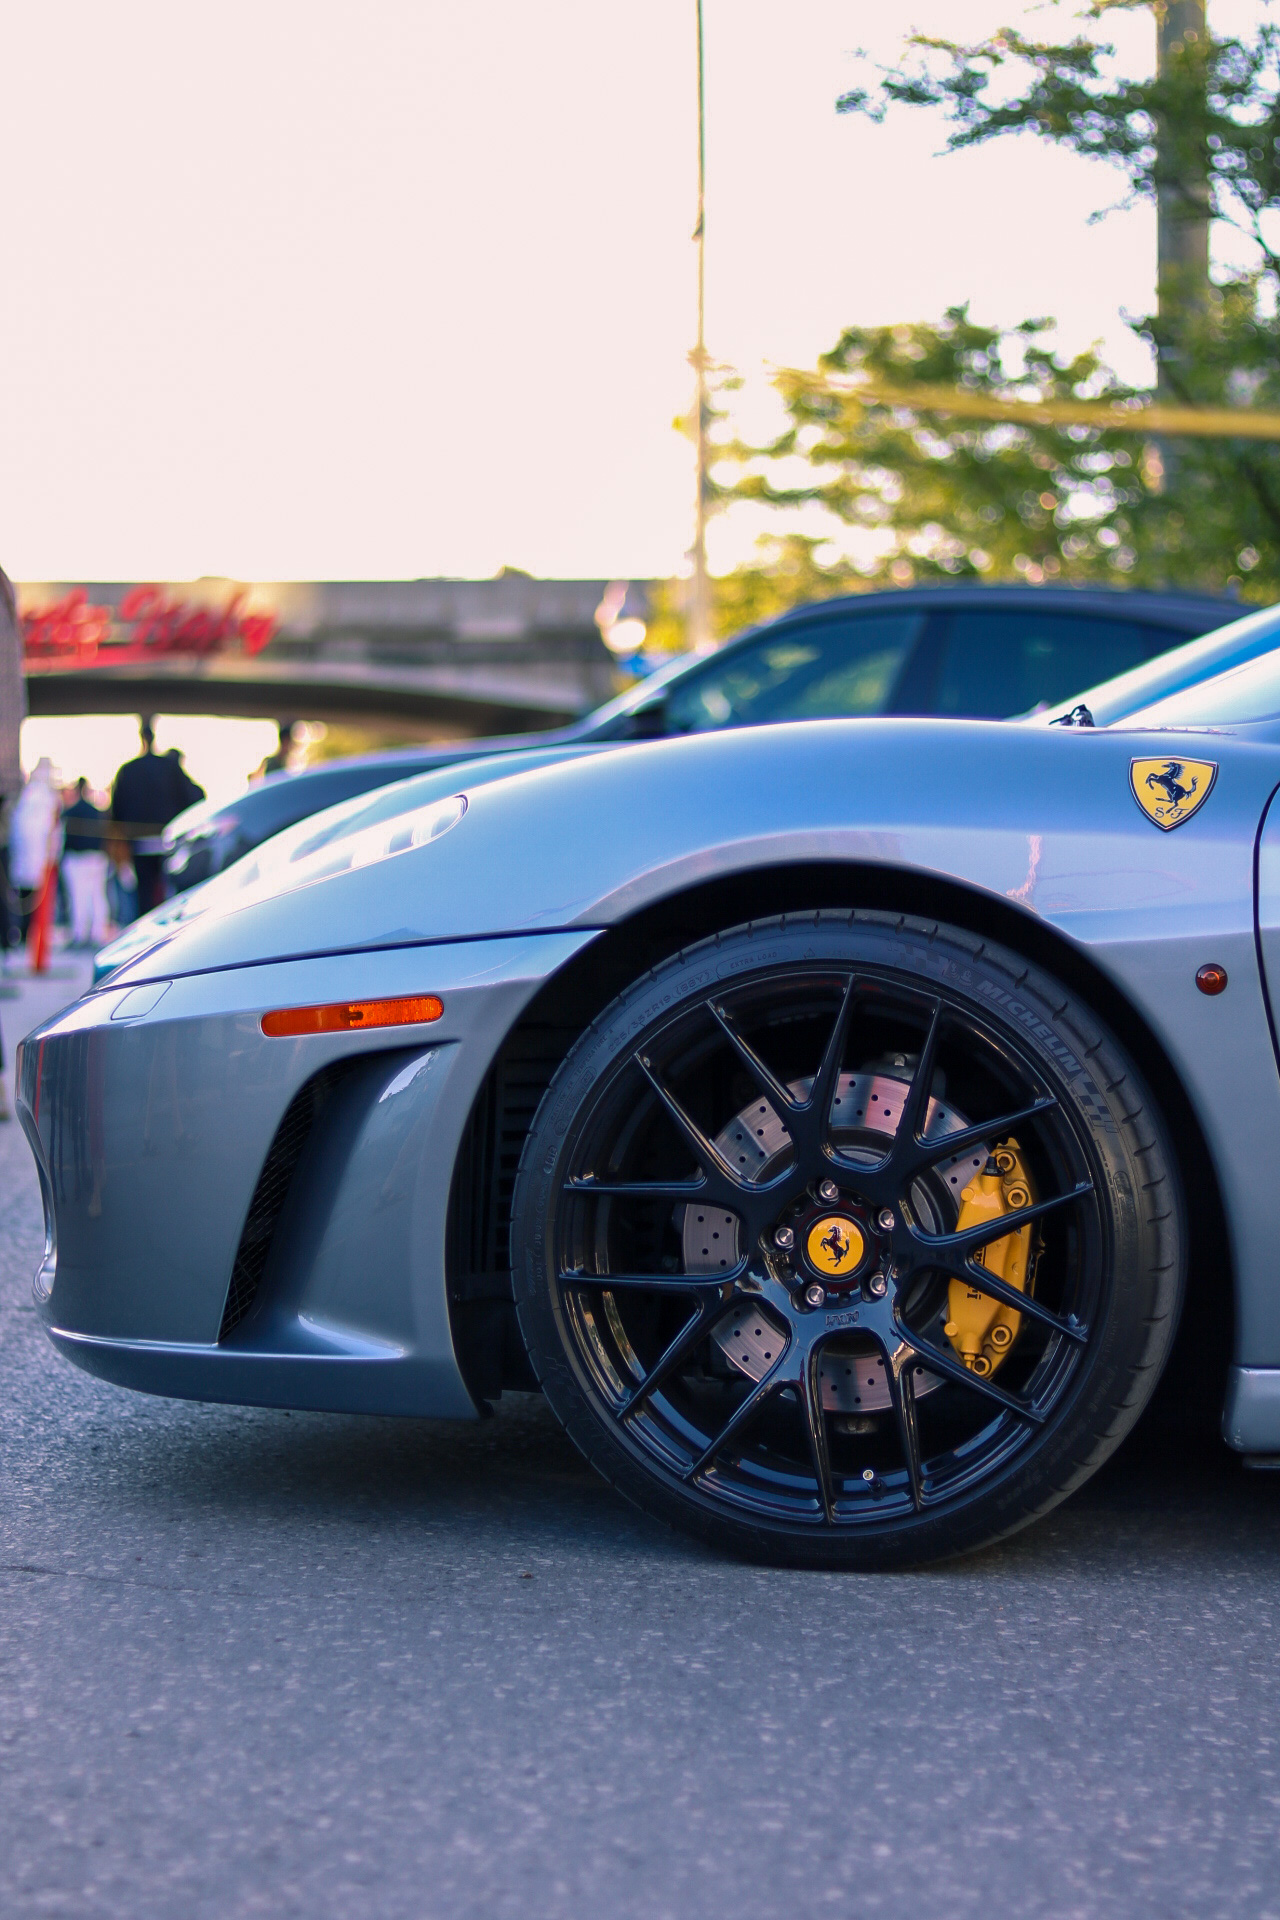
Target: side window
[824,670]
[993,665]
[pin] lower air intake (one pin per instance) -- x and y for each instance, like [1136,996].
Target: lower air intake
[272,1190]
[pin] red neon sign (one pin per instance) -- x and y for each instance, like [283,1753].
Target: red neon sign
[149,621]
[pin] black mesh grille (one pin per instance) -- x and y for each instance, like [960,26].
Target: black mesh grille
[277,1173]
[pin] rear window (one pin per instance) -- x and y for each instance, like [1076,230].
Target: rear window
[992,665]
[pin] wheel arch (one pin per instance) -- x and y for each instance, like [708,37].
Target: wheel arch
[572,998]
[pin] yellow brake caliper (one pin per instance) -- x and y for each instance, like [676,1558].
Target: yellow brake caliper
[981,1329]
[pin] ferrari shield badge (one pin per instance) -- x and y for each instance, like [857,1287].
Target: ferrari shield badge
[1170,791]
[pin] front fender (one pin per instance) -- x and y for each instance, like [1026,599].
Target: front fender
[1044,820]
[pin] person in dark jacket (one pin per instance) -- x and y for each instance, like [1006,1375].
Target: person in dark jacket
[190,790]
[84,865]
[145,796]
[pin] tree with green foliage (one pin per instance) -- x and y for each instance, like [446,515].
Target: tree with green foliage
[936,495]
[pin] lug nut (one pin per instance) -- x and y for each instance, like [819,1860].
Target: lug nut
[886,1220]
[828,1190]
[815,1295]
[784,1238]
[877,1286]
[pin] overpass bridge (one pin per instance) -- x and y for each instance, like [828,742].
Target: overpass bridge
[429,657]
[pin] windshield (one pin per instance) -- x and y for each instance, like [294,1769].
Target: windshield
[1183,667]
[819,669]
[599,720]
[822,669]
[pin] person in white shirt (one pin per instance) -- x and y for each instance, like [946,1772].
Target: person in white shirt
[35,838]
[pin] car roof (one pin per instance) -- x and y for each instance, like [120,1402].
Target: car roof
[1172,608]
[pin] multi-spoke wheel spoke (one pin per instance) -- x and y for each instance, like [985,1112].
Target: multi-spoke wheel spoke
[997,1289]
[809,1387]
[953,1369]
[705,1152]
[639,1189]
[711,1308]
[910,1155]
[899,1372]
[915,1108]
[783,1098]
[647,1282]
[960,1245]
[784,1372]
[827,1078]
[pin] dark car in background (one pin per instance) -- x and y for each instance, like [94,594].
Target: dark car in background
[964,652]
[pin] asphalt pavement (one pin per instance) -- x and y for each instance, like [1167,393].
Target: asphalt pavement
[254,1662]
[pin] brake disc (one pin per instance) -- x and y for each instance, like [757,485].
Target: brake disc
[866,1111]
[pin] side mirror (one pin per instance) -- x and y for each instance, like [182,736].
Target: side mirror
[649,722]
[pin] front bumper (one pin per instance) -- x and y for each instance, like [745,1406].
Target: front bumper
[151,1111]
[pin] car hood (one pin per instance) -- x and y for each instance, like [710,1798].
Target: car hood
[312,850]
[1044,820]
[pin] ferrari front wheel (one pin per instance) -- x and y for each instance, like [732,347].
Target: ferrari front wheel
[847,1241]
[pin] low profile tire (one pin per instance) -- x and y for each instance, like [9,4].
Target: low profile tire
[847,1241]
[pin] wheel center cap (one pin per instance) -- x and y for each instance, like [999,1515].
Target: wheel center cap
[835,1247]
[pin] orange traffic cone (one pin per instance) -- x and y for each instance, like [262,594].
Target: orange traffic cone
[42,919]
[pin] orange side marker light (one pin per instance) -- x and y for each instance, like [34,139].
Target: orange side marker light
[350,1016]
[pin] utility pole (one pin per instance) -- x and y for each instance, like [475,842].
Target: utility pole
[700,599]
[1182,204]
[1182,235]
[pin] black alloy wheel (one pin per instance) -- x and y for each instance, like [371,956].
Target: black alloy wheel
[847,1241]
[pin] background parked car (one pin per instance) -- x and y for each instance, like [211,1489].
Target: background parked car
[959,652]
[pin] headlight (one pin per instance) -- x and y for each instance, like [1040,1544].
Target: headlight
[400,834]
[410,830]
[281,866]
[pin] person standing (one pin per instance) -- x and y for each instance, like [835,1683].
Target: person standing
[282,760]
[35,844]
[146,794]
[13,692]
[13,707]
[189,790]
[84,863]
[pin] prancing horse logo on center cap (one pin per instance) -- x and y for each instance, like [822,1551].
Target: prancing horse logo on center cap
[835,1245]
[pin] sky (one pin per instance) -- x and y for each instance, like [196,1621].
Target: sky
[306,290]
[313,290]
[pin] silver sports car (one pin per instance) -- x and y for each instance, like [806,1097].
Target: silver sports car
[826,1117]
